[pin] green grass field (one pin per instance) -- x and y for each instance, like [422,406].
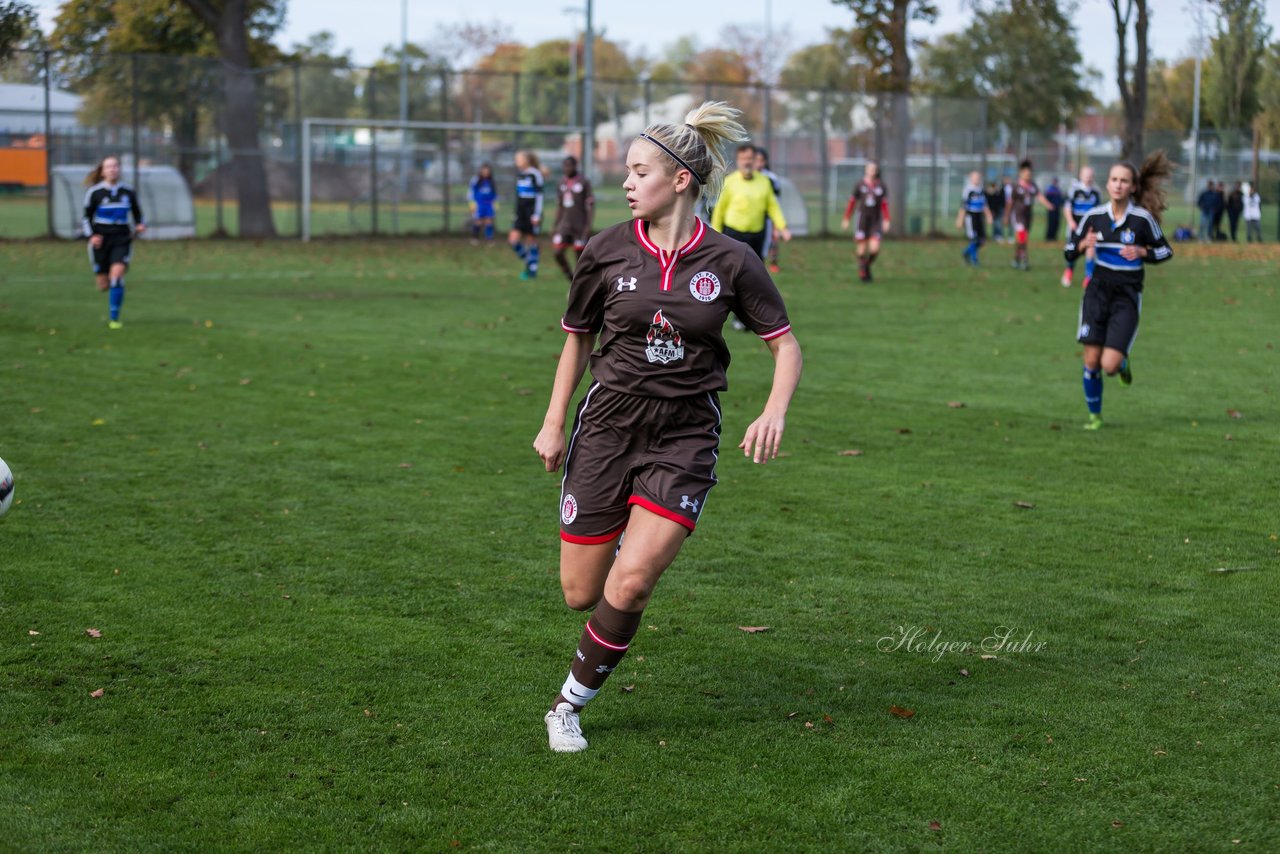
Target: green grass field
[296,497]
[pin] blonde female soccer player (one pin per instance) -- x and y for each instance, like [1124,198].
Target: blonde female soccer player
[108,205]
[1124,236]
[646,309]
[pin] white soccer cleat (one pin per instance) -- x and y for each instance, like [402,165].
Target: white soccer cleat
[564,733]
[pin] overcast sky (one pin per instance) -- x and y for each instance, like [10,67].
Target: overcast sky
[654,23]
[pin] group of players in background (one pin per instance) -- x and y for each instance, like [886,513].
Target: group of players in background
[1110,227]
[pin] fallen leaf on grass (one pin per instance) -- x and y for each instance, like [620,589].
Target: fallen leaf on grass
[903,430]
[808,724]
[368,713]
[1025,505]
[32,632]
[827,719]
[1235,413]
[246,380]
[853,452]
[955,404]
[627,689]
[753,630]
[406,465]
[934,825]
[987,657]
[1228,437]
[93,633]
[899,712]
[1117,823]
[98,422]
[98,693]
[964,672]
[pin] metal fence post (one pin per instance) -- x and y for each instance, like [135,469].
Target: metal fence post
[648,98]
[373,151]
[220,229]
[933,168]
[982,139]
[444,137]
[133,118]
[515,106]
[824,159]
[297,118]
[768,118]
[48,147]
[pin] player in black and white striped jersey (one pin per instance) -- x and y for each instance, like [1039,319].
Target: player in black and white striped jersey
[108,207]
[1125,235]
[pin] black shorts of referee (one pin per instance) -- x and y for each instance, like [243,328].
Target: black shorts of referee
[754,239]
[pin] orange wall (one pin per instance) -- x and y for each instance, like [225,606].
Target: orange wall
[25,166]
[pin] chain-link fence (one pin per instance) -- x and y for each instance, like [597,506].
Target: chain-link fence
[60,110]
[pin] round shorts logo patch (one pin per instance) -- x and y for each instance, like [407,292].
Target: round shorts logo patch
[704,286]
[568,509]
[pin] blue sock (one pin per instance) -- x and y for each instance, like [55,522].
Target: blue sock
[973,250]
[533,259]
[488,232]
[115,298]
[1093,391]
[519,249]
[1088,268]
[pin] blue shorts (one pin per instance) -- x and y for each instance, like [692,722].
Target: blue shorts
[484,211]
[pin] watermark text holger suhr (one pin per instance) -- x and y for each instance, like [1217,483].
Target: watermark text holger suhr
[929,641]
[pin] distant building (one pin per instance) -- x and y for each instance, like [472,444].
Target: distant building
[22,110]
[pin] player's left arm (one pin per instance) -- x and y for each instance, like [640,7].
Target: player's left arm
[1154,250]
[140,225]
[775,213]
[764,435]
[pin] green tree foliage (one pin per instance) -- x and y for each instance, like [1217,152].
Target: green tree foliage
[1236,53]
[1170,88]
[824,66]
[152,55]
[879,37]
[1022,55]
[423,69]
[328,79]
[1267,122]
[18,27]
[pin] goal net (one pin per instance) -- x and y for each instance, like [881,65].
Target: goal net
[162,192]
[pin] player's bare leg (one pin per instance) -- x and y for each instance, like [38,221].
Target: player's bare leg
[873,250]
[102,281]
[621,586]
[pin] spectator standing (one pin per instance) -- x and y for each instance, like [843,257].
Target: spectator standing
[1252,213]
[1054,218]
[1235,206]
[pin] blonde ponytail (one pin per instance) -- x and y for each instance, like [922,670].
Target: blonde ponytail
[700,143]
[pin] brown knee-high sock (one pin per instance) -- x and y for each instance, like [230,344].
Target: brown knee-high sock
[563,260]
[604,642]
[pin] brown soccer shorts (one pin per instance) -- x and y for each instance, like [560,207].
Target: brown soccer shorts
[658,453]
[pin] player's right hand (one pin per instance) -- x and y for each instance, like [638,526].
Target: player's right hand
[96,241]
[1090,240]
[550,446]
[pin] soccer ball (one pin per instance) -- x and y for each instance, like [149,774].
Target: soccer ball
[6,488]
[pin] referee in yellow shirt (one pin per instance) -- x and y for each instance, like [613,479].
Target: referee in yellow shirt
[746,199]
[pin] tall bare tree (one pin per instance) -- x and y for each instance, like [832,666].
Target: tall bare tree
[228,21]
[1132,80]
[879,36]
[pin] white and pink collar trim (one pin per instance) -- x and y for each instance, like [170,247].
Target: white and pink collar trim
[665,258]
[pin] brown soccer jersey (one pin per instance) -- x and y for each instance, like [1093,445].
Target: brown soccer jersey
[867,207]
[660,315]
[573,214]
[1024,197]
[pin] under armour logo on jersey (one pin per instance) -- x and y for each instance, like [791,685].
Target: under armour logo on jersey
[626,284]
[687,504]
